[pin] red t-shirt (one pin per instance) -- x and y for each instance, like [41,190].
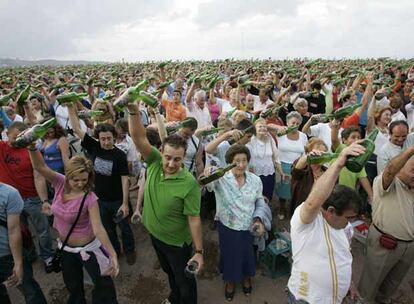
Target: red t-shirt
[16,169]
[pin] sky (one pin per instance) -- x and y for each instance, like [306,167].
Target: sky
[136,30]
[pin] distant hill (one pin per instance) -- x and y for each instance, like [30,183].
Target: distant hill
[8,62]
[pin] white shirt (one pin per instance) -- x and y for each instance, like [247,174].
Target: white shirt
[264,155]
[201,115]
[322,131]
[290,150]
[380,141]
[190,153]
[385,154]
[62,117]
[409,108]
[259,106]
[398,116]
[322,261]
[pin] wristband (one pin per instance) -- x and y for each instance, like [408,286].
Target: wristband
[32,149]
[132,113]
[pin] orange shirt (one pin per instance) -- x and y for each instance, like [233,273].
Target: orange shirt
[352,120]
[174,112]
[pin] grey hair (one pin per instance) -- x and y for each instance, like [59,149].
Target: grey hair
[200,93]
[298,102]
[294,114]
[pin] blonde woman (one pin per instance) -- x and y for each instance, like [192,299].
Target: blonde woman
[265,157]
[88,245]
[105,107]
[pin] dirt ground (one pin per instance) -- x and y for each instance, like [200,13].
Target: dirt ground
[145,283]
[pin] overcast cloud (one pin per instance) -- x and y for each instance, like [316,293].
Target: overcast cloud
[205,29]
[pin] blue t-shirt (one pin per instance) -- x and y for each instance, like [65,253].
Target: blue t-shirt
[10,203]
[363,119]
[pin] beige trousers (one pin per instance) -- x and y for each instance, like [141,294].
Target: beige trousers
[384,269]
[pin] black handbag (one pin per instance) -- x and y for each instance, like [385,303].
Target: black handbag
[57,257]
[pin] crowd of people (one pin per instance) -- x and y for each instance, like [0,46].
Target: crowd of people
[260,122]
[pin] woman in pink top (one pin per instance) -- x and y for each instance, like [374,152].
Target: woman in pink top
[88,245]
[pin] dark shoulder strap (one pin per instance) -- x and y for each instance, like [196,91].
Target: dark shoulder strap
[195,154]
[75,222]
[3,223]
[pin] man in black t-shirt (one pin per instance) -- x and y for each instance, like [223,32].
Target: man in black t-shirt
[111,182]
[316,101]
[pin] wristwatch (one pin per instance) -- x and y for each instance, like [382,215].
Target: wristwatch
[200,251]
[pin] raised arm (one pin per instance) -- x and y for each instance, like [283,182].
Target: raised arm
[367,94]
[394,166]
[334,135]
[39,164]
[325,184]
[137,130]
[371,115]
[74,121]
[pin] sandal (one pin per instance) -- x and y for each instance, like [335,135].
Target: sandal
[229,295]
[247,290]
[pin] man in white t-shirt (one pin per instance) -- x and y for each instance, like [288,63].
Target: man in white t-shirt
[322,260]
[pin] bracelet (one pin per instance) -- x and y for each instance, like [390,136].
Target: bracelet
[45,201]
[132,113]
[199,251]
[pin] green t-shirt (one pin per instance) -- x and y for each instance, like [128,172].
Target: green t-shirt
[346,177]
[168,202]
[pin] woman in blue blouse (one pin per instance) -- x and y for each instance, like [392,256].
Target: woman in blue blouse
[236,195]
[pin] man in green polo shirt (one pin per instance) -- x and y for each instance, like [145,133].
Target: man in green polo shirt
[171,209]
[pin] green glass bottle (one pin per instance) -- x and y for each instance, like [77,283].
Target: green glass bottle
[164,64]
[4,100]
[165,84]
[357,163]
[287,131]
[321,118]
[215,175]
[232,141]
[130,95]
[211,131]
[28,136]
[149,99]
[343,112]
[23,95]
[324,158]
[108,97]
[71,97]
[230,113]
[89,114]
[178,126]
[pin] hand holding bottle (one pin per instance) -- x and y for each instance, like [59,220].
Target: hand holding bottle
[354,149]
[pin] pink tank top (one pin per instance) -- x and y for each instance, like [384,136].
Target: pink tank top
[65,212]
[214,111]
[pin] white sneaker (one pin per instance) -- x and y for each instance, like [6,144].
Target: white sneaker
[166,301]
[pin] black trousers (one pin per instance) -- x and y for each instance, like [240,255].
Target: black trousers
[108,210]
[104,288]
[173,261]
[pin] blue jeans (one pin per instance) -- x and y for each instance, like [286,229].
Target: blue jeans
[108,210]
[33,208]
[29,287]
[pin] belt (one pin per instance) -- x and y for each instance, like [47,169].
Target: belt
[399,240]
